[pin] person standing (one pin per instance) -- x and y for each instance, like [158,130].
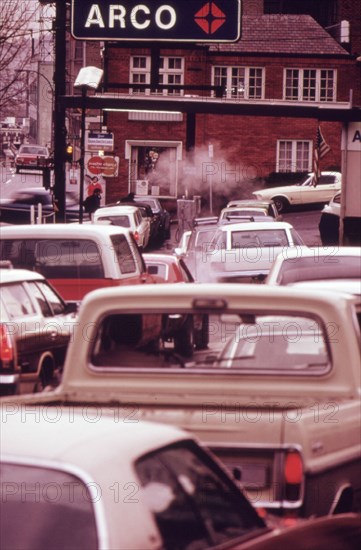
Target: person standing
[92,203]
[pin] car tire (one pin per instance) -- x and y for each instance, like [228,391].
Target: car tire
[184,339]
[281,203]
[46,376]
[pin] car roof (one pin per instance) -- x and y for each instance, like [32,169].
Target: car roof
[11,275]
[264,203]
[73,437]
[118,209]
[160,257]
[255,226]
[61,230]
[348,286]
[317,251]
[33,190]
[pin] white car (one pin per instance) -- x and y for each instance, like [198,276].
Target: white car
[303,193]
[316,264]
[244,252]
[114,482]
[126,216]
[234,215]
[268,206]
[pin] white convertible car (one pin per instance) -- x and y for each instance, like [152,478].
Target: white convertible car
[303,193]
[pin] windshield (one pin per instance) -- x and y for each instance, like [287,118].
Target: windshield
[33,150]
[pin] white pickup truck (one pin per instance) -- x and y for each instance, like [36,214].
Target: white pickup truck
[276,395]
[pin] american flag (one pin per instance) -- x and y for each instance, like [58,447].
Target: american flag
[321,149]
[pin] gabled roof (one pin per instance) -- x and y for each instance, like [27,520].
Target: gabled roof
[282,34]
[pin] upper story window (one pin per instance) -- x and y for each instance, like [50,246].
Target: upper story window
[171,71]
[240,82]
[310,85]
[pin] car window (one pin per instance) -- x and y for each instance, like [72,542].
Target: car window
[293,345]
[201,239]
[17,301]
[296,237]
[49,509]
[326,180]
[157,269]
[122,221]
[124,254]
[273,237]
[64,259]
[33,150]
[48,300]
[194,505]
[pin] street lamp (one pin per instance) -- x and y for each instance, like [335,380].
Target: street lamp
[88,79]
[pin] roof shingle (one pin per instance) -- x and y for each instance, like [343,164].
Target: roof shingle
[282,34]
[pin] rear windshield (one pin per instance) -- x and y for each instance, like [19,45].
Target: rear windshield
[33,150]
[235,343]
[45,509]
[122,221]
[55,258]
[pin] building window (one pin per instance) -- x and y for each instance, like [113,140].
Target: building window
[153,167]
[171,71]
[240,82]
[294,156]
[310,85]
[140,73]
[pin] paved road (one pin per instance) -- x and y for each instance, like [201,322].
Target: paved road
[304,220]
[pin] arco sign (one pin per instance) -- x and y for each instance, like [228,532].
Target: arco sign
[159,20]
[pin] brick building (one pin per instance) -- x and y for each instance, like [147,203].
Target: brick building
[282,59]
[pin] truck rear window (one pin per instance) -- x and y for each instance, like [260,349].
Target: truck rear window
[231,343]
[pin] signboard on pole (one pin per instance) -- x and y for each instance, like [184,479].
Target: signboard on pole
[100,141]
[160,20]
[103,166]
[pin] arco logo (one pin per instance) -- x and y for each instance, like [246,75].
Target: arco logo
[210,18]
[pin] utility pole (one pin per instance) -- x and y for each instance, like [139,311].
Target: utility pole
[59,109]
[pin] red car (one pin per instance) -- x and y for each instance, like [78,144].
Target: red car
[31,157]
[167,268]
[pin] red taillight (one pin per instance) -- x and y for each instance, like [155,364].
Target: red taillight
[136,235]
[293,468]
[6,346]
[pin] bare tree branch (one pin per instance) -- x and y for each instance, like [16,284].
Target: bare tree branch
[16,41]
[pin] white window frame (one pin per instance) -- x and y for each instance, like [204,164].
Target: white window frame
[130,155]
[171,71]
[228,76]
[308,84]
[297,160]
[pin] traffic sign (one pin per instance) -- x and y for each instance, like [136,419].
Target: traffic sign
[100,141]
[160,20]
